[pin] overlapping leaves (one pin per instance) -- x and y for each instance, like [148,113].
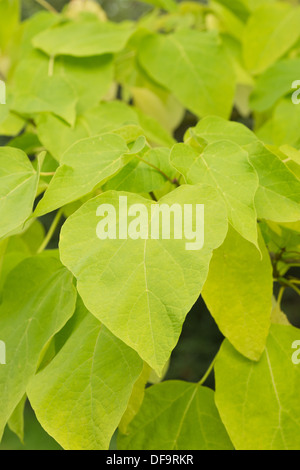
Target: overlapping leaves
[85,372]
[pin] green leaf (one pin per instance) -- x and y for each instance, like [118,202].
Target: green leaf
[28,142]
[16,421]
[136,399]
[225,166]
[291,158]
[90,77]
[10,124]
[57,136]
[84,38]
[283,237]
[100,371]
[258,402]
[190,60]
[229,21]
[177,415]
[269,34]
[278,194]
[213,129]
[283,127]
[239,7]
[86,164]
[154,132]
[37,89]
[126,289]
[18,189]
[34,25]
[142,177]
[277,316]
[45,301]
[275,83]
[13,250]
[238,293]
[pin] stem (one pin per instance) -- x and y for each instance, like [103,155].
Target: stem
[51,231]
[50,173]
[153,196]
[205,376]
[47,6]
[281,292]
[294,288]
[159,170]
[290,260]
[287,283]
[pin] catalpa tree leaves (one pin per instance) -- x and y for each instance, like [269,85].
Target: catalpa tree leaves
[83,38]
[243,303]
[125,288]
[268,388]
[18,187]
[57,136]
[189,412]
[278,195]
[45,302]
[277,30]
[85,165]
[188,60]
[211,167]
[150,241]
[85,361]
[53,94]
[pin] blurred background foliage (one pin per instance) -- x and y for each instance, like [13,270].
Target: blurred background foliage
[116,10]
[193,354]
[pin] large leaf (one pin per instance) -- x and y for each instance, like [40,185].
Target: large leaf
[57,136]
[37,89]
[226,166]
[142,289]
[86,164]
[18,183]
[278,194]
[213,129]
[90,77]
[274,83]
[194,66]
[270,32]
[45,301]
[100,371]
[83,38]
[238,293]
[186,411]
[258,402]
